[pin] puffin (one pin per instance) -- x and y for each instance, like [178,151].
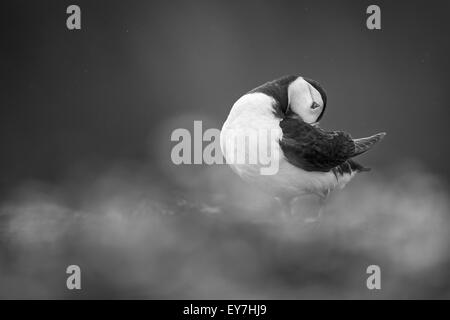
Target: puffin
[282,117]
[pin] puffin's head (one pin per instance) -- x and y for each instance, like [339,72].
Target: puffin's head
[307,99]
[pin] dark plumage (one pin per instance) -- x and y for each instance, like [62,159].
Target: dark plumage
[348,167]
[309,147]
[313,149]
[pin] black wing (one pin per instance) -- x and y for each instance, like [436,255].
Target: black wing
[314,149]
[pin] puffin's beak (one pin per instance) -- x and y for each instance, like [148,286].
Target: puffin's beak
[315,106]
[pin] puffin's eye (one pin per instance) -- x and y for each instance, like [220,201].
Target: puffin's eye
[314,105]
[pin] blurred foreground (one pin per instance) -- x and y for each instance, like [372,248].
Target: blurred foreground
[136,238]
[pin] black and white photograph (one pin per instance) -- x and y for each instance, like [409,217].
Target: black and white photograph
[228,151]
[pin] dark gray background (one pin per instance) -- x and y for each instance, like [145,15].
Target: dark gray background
[85,170]
[98,93]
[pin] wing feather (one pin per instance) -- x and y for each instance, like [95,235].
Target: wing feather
[314,149]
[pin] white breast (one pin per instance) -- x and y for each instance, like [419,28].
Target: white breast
[253,115]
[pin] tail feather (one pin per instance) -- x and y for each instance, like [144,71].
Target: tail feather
[364,144]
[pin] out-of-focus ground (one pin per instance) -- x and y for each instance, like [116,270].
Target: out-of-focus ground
[218,238]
